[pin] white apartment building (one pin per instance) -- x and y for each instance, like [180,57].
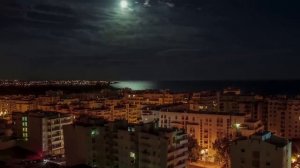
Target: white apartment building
[207,127]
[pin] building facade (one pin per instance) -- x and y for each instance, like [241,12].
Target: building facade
[284,117]
[207,127]
[40,131]
[262,150]
[119,144]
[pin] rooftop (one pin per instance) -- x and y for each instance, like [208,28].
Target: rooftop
[209,113]
[270,138]
[45,114]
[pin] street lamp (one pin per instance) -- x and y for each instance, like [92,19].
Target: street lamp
[237,127]
[293,159]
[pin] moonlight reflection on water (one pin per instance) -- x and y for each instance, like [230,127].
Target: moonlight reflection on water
[135,85]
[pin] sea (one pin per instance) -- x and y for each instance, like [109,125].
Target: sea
[267,87]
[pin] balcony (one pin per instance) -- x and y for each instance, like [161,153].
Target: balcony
[56,135]
[66,121]
[184,141]
[56,128]
[170,158]
[57,146]
[183,156]
[181,165]
[171,154]
[171,149]
[182,149]
[56,139]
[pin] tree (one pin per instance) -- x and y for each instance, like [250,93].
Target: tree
[194,149]
[221,146]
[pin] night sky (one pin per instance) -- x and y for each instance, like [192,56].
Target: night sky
[164,40]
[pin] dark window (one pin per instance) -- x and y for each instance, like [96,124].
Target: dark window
[256,154]
[255,163]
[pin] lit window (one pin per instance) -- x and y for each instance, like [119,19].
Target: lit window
[132,155]
[94,132]
[24,124]
[25,135]
[24,118]
[131,129]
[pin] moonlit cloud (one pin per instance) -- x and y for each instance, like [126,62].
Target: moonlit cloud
[176,39]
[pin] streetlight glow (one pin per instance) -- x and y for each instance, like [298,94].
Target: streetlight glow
[237,125]
[293,159]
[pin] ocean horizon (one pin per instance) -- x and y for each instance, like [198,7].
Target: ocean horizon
[288,87]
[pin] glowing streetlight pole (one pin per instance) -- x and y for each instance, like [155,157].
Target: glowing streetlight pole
[237,127]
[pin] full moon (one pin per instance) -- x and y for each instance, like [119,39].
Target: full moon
[124,4]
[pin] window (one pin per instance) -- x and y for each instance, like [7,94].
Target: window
[256,154]
[132,155]
[94,132]
[255,163]
[24,118]
[131,129]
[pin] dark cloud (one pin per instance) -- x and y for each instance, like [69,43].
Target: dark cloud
[171,39]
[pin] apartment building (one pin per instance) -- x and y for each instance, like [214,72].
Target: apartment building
[9,104]
[283,117]
[262,150]
[152,98]
[129,112]
[205,101]
[119,144]
[41,131]
[149,115]
[256,108]
[207,127]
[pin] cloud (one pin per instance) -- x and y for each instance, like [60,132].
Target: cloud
[97,38]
